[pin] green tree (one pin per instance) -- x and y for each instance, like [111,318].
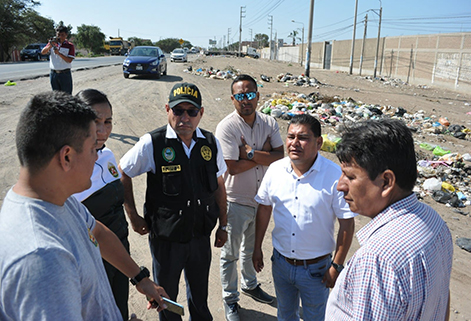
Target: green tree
[293,35]
[140,42]
[261,39]
[169,44]
[90,37]
[20,24]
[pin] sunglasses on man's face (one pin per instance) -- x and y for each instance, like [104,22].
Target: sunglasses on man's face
[250,96]
[190,112]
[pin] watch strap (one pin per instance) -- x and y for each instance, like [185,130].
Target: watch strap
[337,267]
[138,278]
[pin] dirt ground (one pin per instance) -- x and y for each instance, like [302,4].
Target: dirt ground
[138,106]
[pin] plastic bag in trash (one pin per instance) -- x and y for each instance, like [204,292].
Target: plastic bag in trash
[467,157]
[432,184]
[446,187]
[276,112]
[464,243]
[438,151]
[441,197]
[328,145]
[427,146]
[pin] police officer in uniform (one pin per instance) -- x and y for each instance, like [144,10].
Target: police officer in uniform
[185,196]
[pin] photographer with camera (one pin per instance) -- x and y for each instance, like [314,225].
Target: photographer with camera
[62,53]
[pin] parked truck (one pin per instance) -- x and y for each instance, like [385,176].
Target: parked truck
[119,46]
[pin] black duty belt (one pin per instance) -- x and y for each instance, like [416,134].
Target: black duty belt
[60,71]
[307,262]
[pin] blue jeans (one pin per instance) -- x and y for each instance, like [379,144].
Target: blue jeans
[240,239]
[62,81]
[295,282]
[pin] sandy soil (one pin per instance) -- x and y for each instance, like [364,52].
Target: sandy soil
[138,105]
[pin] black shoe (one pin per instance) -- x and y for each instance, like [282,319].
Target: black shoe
[232,311]
[258,295]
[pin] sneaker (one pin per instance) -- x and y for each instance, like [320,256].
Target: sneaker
[232,311]
[259,295]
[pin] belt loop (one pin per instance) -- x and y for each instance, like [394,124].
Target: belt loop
[305,264]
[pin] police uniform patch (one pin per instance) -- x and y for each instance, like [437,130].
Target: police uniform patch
[171,169]
[112,169]
[168,154]
[206,153]
[92,238]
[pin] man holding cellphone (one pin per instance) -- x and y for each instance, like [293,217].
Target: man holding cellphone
[51,246]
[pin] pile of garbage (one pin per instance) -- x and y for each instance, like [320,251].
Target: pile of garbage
[334,110]
[443,174]
[227,73]
[300,80]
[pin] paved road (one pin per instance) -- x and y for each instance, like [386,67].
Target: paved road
[32,69]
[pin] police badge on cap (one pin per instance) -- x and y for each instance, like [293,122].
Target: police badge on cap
[185,92]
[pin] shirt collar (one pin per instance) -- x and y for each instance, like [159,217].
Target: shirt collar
[255,122]
[171,134]
[315,167]
[393,211]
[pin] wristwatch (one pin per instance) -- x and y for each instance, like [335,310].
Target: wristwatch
[138,278]
[223,228]
[337,267]
[250,154]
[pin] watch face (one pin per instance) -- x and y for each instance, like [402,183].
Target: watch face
[250,154]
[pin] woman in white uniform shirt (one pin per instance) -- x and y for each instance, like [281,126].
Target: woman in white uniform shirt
[104,199]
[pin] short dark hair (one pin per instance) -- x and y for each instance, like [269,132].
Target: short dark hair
[92,97]
[378,145]
[306,119]
[62,29]
[243,77]
[50,121]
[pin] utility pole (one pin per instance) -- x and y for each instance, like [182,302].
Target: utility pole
[240,29]
[363,43]
[250,30]
[276,45]
[309,38]
[377,41]
[410,63]
[270,22]
[228,35]
[353,39]
[302,42]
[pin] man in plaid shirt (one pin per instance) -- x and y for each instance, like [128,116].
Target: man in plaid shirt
[402,269]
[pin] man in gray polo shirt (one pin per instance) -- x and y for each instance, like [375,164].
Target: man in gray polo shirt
[250,142]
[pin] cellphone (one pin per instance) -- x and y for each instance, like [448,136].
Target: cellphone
[171,306]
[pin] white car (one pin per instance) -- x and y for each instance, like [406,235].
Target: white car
[178,55]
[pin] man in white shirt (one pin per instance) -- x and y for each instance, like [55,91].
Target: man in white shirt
[301,191]
[185,197]
[62,53]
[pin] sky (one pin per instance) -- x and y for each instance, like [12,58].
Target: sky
[198,21]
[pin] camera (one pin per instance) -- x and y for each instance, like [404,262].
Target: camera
[54,39]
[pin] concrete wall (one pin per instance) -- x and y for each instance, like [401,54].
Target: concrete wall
[440,59]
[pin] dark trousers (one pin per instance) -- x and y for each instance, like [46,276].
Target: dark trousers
[62,81]
[194,258]
[119,285]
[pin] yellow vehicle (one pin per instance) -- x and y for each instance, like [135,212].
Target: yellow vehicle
[106,45]
[119,46]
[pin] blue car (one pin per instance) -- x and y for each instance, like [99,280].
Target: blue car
[145,60]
